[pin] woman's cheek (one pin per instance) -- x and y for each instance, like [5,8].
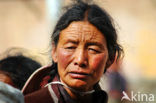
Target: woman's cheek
[63,57]
[98,62]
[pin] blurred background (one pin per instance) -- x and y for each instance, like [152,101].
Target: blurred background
[29,23]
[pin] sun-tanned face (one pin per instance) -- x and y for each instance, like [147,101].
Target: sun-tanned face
[5,78]
[81,55]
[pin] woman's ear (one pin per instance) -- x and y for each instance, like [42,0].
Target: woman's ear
[108,64]
[54,53]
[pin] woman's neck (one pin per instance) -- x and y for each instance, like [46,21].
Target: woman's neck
[79,98]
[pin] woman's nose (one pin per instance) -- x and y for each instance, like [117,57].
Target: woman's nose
[80,58]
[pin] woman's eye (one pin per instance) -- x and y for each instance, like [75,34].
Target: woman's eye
[92,50]
[71,47]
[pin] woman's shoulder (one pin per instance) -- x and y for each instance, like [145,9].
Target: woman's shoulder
[39,96]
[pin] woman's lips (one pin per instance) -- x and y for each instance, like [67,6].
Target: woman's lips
[78,75]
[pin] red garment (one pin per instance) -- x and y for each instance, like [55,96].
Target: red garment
[43,95]
[45,81]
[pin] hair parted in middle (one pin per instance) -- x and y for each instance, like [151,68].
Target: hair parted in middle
[81,11]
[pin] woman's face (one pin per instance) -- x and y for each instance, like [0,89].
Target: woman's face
[81,55]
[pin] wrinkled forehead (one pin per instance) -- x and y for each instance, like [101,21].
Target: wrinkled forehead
[82,30]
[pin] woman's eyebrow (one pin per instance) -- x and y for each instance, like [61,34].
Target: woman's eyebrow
[71,41]
[96,43]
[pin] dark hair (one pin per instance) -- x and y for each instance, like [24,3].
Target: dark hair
[99,18]
[19,68]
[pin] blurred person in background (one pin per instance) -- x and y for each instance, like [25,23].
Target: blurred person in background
[84,45]
[117,83]
[15,70]
[9,94]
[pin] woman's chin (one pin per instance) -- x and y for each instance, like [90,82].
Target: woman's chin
[79,85]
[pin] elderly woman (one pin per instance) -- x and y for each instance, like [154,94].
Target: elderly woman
[84,45]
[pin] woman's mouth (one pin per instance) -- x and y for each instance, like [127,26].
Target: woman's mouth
[78,75]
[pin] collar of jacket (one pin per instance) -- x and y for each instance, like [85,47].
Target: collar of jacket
[33,83]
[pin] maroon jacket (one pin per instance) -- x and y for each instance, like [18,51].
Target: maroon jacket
[35,92]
